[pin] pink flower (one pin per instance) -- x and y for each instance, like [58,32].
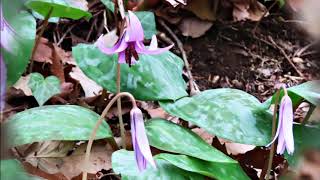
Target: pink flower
[139,140]
[285,124]
[130,44]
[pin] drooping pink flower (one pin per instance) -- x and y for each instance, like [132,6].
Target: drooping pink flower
[139,140]
[130,44]
[285,127]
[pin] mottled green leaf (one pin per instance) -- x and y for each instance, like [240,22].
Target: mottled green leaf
[171,137]
[304,138]
[12,169]
[20,42]
[157,77]
[54,122]
[109,4]
[123,162]
[60,8]
[228,113]
[216,170]
[43,89]
[309,91]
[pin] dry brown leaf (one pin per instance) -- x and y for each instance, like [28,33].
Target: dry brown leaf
[194,27]
[51,157]
[43,52]
[203,134]
[22,84]
[170,14]
[296,5]
[245,10]
[204,9]
[236,148]
[90,87]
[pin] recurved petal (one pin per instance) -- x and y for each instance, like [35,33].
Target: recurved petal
[141,137]
[134,29]
[120,46]
[140,48]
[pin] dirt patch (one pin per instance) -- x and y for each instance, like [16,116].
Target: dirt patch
[229,55]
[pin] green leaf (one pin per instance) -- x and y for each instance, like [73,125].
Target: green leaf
[304,138]
[171,137]
[123,162]
[43,89]
[157,77]
[12,169]
[39,16]
[148,23]
[228,113]
[55,122]
[109,4]
[21,43]
[60,8]
[309,91]
[219,171]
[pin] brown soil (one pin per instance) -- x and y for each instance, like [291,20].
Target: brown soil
[229,55]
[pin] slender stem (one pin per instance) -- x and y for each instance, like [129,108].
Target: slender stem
[122,130]
[274,126]
[43,28]
[99,122]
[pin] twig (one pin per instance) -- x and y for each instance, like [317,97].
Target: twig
[264,14]
[43,28]
[99,122]
[91,29]
[193,91]
[65,34]
[286,56]
[309,113]
[274,126]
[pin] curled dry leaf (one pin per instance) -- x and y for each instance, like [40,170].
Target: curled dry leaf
[90,87]
[194,27]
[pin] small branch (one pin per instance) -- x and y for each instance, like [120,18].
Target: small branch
[264,14]
[99,122]
[286,56]
[274,126]
[43,28]
[65,34]
[193,91]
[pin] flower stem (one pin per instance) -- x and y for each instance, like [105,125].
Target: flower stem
[274,126]
[99,122]
[44,25]
[122,129]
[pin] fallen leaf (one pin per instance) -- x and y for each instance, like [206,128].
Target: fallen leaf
[22,84]
[81,4]
[203,134]
[52,157]
[296,5]
[90,87]
[204,9]
[246,10]
[43,52]
[236,148]
[170,14]
[175,3]
[194,27]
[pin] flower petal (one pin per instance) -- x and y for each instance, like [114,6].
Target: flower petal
[287,123]
[141,136]
[279,125]
[121,45]
[140,48]
[134,29]
[281,144]
[154,43]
